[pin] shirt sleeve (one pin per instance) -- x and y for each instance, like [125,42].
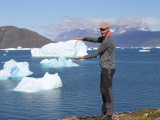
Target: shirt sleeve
[95,40]
[99,51]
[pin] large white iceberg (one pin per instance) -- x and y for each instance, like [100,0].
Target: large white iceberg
[30,84]
[71,48]
[14,69]
[57,63]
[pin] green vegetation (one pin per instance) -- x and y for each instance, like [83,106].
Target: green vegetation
[146,114]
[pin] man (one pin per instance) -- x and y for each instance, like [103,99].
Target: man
[107,62]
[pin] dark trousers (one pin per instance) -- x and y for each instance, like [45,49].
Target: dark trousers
[106,90]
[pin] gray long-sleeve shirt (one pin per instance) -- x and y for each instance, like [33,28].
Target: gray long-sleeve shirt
[106,51]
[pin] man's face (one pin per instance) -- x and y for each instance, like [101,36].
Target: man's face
[104,32]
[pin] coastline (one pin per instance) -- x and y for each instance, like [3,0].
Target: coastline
[145,114]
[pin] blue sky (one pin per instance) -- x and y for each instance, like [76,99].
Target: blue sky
[43,16]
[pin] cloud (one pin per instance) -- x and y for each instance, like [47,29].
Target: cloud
[128,21]
[151,21]
[70,23]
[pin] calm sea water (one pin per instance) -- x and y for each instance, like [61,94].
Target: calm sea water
[136,86]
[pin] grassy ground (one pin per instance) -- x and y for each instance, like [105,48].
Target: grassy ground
[146,114]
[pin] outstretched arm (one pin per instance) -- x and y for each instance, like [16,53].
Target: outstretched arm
[79,57]
[90,39]
[80,38]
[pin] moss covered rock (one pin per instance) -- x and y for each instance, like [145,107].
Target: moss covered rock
[146,114]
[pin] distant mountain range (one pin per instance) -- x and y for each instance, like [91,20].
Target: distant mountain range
[13,37]
[124,36]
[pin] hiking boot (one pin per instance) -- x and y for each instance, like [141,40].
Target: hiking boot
[100,116]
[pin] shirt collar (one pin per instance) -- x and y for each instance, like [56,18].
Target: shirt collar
[109,34]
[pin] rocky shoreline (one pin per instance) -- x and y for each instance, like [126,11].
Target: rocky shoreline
[146,114]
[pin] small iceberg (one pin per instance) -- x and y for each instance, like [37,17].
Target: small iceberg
[89,48]
[58,63]
[95,48]
[13,69]
[5,74]
[144,50]
[18,48]
[31,85]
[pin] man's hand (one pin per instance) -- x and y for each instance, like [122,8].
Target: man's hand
[80,38]
[79,57]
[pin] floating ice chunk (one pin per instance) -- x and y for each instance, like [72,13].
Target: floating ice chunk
[95,48]
[4,74]
[61,62]
[17,69]
[144,50]
[30,84]
[14,69]
[71,48]
[18,48]
[89,48]
[146,47]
